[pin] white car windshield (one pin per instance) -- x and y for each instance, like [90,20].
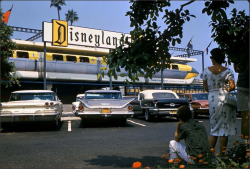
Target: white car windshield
[102,96]
[31,96]
[163,96]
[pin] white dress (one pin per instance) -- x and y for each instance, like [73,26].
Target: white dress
[222,117]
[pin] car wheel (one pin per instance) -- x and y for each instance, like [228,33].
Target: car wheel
[148,117]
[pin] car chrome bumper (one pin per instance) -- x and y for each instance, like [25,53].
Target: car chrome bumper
[202,110]
[29,117]
[163,111]
[97,115]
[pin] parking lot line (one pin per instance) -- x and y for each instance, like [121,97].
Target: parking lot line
[70,118]
[136,123]
[69,125]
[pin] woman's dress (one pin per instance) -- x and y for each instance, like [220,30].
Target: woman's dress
[222,117]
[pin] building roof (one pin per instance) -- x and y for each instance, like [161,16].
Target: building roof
[103,91]
[33,91]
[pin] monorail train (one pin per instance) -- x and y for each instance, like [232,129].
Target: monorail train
[29,65]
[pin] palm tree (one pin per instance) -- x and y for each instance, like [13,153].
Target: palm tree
[71,16]
[57,4]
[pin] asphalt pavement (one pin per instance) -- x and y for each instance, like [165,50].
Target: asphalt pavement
[91,144]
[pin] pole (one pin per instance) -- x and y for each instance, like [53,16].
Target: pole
[44,68]
[161,74]
[202,62]
[110,78]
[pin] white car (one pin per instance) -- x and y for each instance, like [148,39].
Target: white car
[75,104]
[32,106]
[105,105]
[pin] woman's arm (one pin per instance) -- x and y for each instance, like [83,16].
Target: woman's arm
[231,86]
[205,85]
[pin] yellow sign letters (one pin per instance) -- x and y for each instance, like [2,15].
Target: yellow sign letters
[60,33]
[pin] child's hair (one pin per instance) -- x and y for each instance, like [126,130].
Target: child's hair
[184,113]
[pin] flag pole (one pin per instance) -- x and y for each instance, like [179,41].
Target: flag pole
[208,46]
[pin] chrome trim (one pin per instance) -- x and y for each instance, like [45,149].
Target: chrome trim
[43,114]
[111,106]
[169,109]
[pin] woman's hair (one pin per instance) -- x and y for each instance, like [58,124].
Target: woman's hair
[218,55]
[184,113]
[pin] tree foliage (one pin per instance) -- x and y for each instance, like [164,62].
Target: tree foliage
[149,48]
[8,72]
[231,34]
[57,4]
[142,57]
[71,16]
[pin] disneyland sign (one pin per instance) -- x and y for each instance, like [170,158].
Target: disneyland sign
[60,34]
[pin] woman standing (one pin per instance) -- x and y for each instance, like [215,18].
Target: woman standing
[222,117]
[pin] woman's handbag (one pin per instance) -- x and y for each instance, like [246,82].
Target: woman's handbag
[230,100]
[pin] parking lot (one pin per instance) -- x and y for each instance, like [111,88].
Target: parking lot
[93,144]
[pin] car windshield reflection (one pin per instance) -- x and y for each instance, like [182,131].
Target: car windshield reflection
[31,96]
[163,96]
[102,96]
[200,97]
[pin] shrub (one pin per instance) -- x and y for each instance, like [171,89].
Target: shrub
[235,157]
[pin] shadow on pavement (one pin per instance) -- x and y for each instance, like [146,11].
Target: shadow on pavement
[158,119]
[102,123]
[123,162]
[30,127]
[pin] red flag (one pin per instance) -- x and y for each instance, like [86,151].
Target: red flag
[6,16]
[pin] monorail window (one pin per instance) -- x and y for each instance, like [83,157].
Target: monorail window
[71,58]
[175,67]
[20,54]
[57,57]
[84,59]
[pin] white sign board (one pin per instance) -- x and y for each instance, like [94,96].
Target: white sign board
[87,37]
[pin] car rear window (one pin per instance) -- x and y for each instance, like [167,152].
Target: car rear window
[163,96]
[102,96]
[31,96]
[200,97]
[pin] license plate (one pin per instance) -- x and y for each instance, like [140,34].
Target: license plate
[173,112]
[26,118]
[105,111]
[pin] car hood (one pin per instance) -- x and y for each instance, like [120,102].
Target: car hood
[201,101]
[102,103]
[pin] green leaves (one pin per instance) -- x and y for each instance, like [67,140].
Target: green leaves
[8,72]
[231,34]
[142,58]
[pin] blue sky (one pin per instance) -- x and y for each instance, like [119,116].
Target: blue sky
[110,15]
